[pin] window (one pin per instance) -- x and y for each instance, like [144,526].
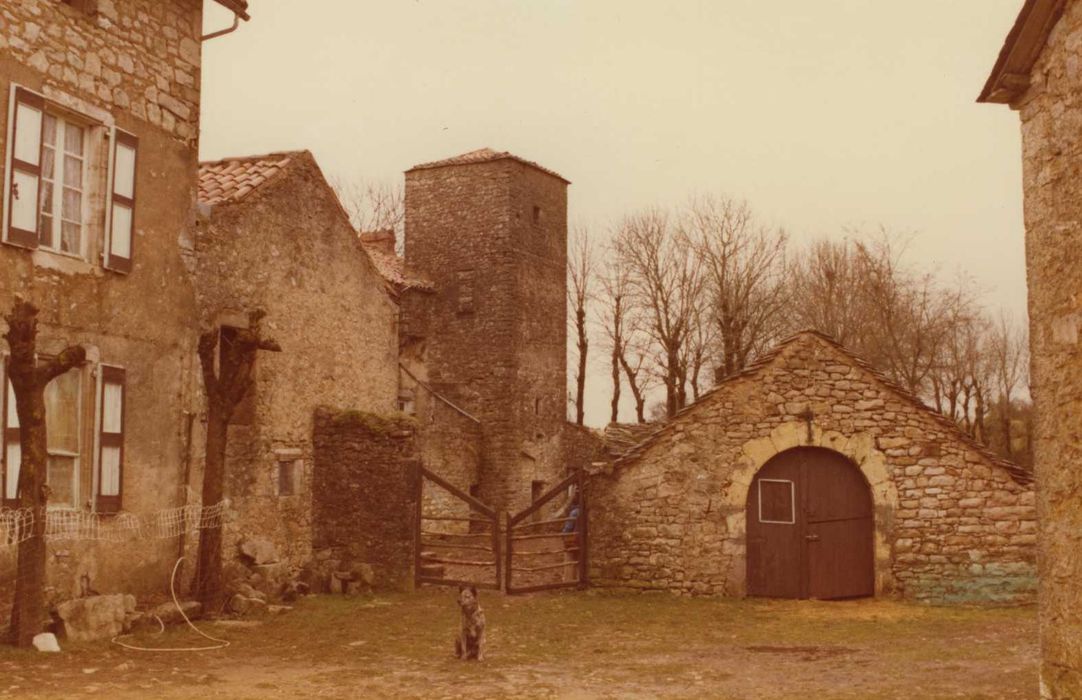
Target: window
[776,501]
[465,291]
[12,455]
[536,215]
[111,439]
[288,470]
[62,426]
[56,194]
[63,177]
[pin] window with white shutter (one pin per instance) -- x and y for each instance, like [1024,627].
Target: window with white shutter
[9,488]
[26,121]
[111,456]
[121,219]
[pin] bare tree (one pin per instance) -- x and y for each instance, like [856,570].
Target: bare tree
[374,206]
[666,280]
[580,283]
[744,264]
[622,336]
[29,376]
[1008,348]
[225,390]
[825,292]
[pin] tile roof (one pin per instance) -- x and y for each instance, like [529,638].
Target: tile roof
[232,179]
[484,155]
[621,437]
[392,267]
[240,7]
[1020,474]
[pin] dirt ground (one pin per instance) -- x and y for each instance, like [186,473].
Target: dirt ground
[571,645]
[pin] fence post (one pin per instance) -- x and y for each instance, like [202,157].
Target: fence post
[418,507]
[584,534]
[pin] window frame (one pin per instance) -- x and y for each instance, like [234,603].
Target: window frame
[100,502]
[792,501]
[66,118]
[77,456]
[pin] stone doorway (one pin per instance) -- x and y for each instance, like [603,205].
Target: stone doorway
[810,528]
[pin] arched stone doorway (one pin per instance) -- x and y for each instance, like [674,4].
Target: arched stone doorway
[810,528]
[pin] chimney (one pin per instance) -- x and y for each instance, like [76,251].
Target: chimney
[382,241]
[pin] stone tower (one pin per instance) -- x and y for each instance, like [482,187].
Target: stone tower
[489,230]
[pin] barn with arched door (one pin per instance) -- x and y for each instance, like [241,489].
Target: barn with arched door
[810,475]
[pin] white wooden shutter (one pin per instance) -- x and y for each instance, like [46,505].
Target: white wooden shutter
[111,457]
[27,120]
[121,223]
[9,489]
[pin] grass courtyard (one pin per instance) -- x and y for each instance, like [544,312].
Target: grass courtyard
[571,645]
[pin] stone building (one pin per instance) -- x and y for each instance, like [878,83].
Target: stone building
[1039,75]
[272,235]
[489,230]
[100,134]
[810,475]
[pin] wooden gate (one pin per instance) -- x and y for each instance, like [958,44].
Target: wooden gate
[546,549]
[458,541]
[810,528]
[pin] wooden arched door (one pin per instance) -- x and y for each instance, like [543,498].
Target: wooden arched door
[810,528]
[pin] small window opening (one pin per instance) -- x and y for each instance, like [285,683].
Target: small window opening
[536,214]
[288,469]
[537,406]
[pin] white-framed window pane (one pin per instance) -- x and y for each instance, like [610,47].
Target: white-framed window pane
[13,414]
[48,163]
[777,501]
[62,412]
[48,133]
[112,405]
[73,205]
[28,134]
[73,139]
[73,172]
[124,176]
[61,479]
[120,241]
[24,206]
[14,458]
[110,471]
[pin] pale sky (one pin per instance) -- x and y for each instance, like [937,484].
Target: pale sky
[824,115]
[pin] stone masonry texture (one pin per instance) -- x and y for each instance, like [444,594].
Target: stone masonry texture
[134,64]
[1051,115]
[364,493]
[952,523]
[492,238]
[288,248]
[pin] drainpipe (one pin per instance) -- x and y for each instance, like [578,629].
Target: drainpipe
[223,32]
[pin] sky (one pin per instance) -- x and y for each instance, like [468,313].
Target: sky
[828,117]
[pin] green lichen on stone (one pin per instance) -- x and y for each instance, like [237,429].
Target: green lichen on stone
[374,423]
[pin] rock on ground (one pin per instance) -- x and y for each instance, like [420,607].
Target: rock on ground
[96,617]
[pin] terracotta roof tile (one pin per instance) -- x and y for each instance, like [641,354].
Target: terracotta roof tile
[484,155]
[232,179]
[380,248]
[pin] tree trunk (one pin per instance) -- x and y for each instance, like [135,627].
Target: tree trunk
[225,389]
[580,378]
[209,567]
[614,405]
[28,381]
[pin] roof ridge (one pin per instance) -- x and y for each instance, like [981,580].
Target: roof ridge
[1017,472]
[263,156]
[485,154]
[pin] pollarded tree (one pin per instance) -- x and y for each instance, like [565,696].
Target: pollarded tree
[225,390]
[28,380]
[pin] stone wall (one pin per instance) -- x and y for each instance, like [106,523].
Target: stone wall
[492,238]
[134,65]
[364,491]
[288,249]
[135,56]
[952,524]
[1051,113]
